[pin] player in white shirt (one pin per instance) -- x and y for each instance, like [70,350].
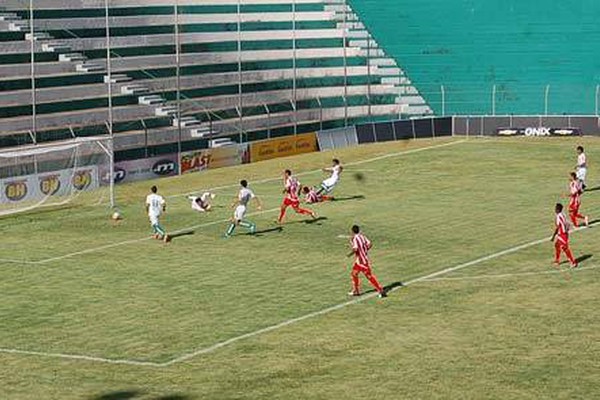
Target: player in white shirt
[155,206]
[582,166]
[241,206]
[202,203]
[329,184]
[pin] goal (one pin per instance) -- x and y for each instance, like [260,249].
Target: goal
[45,175]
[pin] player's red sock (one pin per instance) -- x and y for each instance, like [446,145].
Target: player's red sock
[557,249]
[303,211]
[373,279]
[355,283]
[326,198]
[569,255]
[282,213]
[574,220]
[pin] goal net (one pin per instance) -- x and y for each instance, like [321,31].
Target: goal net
[76,171]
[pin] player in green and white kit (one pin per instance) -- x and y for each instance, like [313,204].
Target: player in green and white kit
[155,206]
[241,206]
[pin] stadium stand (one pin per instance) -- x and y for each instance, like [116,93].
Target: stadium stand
[189,71]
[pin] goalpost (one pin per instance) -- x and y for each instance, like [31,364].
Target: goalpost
[76,171]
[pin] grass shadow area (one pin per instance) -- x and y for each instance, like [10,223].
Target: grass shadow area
[263,232]
[349,198]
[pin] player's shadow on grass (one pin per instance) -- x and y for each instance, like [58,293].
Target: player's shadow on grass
[583,258]
[349,198]
[181,234]
[263,232]
[594,222]
[579,259]
[315,221]
[135,394]
[594,189]
[387,288]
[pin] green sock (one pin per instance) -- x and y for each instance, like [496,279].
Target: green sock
[159,229]
[249,225]
[230,230]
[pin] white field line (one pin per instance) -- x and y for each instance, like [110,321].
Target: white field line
[271,328]
[133,241]
[350,164]
[328,310]
[9,261]
[80,358]
[513,275]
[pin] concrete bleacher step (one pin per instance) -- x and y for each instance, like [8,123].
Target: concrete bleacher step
[38,36]
[89,67]
[221,142]
[395,80]
[9,16]
[363,44]
[117,78]
[18,26]
[372,53]
[55,47]
[201,132]
[134,88]
[388,71]
[151,100]
[71,57]
[186,122]
[165,111]
[383,62]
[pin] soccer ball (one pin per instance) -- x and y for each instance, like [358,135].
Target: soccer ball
[116,216]
[359,176]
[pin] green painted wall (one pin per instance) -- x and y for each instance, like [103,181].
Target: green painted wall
[469,45]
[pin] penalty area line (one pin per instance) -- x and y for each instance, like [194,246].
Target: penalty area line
[233,340]
[513,275]
[193,227]
[340,306]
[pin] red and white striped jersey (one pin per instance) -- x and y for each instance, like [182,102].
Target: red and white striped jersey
[575,189]
[292,187]
[563,227]
[361,246]
[312,197]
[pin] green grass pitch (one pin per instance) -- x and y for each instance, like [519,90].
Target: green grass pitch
[72,284]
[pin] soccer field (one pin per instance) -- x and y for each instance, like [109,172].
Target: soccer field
[96,310]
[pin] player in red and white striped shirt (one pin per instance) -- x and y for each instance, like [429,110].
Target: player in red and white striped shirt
[575,192]
[311,196]
[291,190]
[360,250]
[561,237]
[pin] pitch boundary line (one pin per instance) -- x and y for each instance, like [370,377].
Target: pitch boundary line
[271,328]
[139,240]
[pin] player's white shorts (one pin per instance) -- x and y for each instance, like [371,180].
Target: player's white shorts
[581,173]
[154,219]
[240,213]
[329,184]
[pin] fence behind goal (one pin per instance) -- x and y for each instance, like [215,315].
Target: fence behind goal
[77,171]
